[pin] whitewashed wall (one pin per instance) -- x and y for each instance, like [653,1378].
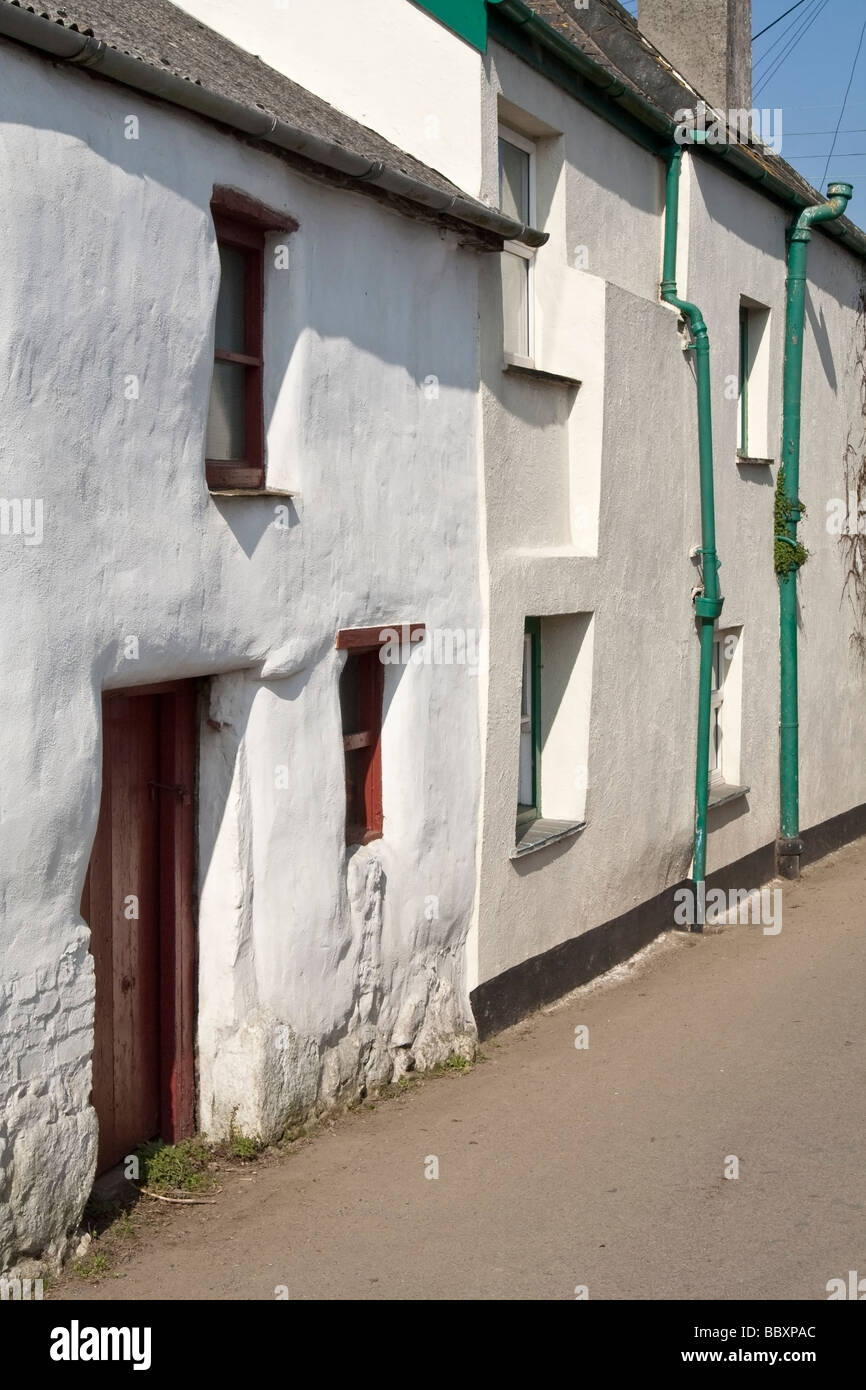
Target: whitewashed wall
[317,975]
[388,64]
[621,453]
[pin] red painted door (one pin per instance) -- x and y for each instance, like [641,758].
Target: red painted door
[138,903]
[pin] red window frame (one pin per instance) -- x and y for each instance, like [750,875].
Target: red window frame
[242,223]
[364,815]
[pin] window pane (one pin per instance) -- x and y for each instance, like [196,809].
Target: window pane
[225,418]
[525,779]
[743,404]
[515,304]
[526,692]
[513,181]
[230,335]
[357,763]
[350,695]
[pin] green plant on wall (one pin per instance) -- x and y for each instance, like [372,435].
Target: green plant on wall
[787,555]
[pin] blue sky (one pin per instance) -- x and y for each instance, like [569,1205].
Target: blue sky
[809,84]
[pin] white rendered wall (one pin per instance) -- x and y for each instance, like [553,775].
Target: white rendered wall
[318,976]
[637,450]
[387,63]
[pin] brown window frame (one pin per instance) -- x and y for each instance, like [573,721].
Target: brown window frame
[242,223]
[367,743]
[363,646]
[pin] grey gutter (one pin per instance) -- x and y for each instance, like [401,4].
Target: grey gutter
[746,163]
[56,41]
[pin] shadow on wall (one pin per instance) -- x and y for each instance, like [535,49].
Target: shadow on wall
[720,816]
[761,223]
[250,521]
[822,341]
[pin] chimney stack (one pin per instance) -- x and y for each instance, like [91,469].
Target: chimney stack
[709,42]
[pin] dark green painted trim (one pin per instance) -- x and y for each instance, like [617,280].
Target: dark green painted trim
[524,42]
[468,18]
[516,27]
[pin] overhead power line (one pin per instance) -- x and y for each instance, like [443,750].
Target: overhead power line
[808,21]
[844,103]
[802,134]
[773,23]
[770,54]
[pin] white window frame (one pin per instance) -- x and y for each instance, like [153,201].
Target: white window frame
[717,700]
[753,373]
[725,708]
[526,253]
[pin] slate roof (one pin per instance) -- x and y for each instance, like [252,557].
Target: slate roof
[176,50]
[167,39]
[159,33]
[608,35]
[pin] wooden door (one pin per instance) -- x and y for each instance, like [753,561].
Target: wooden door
[138,903]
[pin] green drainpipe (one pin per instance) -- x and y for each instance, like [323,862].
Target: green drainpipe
[708,605]
[789,846]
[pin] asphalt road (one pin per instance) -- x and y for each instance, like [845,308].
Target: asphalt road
[601,1167]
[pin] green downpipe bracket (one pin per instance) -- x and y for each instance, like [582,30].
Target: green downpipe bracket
[708,605]
[799,236]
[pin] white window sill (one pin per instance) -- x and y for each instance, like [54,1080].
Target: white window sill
[540,833]
[721,793]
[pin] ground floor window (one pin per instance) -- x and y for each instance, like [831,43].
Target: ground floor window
[555,702]
[528,789]
[725,705]
[369,650]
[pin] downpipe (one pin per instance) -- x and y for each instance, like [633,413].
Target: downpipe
[789,846]
[708,604]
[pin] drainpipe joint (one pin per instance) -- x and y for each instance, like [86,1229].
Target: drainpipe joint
[708,608]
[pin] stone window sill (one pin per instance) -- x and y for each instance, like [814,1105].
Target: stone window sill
[250,492]
[721,793]
[748,462]
[524,366]
[540,833]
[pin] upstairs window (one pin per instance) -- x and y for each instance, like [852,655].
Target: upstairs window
[743,383]
[235,439]
[753,383]
[362,685]
[517,200]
